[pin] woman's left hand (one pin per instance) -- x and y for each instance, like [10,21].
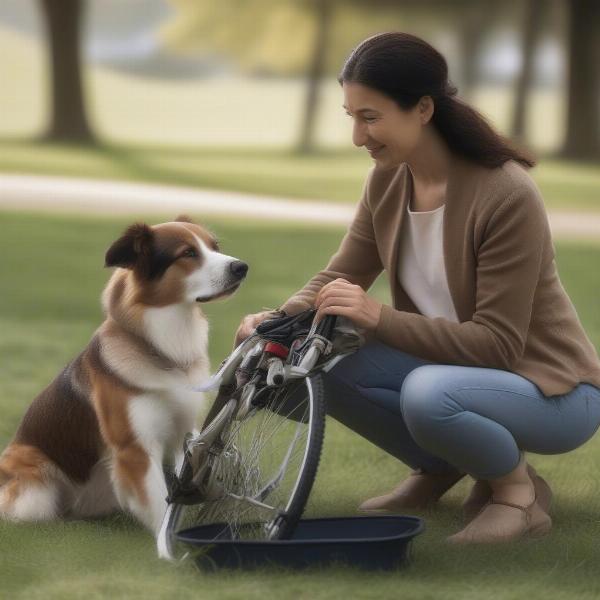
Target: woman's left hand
[340,297]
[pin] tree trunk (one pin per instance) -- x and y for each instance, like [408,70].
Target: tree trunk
[68,120]
[531,32]
[473,26]
[583,119]
[470,37]
[323,15]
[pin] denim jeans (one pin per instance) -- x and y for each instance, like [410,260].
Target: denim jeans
[443,418]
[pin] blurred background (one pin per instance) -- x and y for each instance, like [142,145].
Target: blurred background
[120,110]
[261,73]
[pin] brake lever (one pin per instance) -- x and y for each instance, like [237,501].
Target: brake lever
[316,344]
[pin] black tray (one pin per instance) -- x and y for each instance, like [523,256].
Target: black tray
[370,542]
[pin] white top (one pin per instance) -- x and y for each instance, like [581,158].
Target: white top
[421,269]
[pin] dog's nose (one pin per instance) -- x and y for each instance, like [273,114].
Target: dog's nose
[238,268]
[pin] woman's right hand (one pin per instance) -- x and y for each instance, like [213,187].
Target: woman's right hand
[249,324]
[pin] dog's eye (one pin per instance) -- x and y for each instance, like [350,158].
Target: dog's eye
[190,252]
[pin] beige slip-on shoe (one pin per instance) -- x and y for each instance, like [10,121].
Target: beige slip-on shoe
[497,521]
[481,492]
[419,490]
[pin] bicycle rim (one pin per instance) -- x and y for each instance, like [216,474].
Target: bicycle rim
[261,478]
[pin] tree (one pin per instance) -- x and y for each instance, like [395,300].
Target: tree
[583,88]
[267,37]
[282,37]
[473,22]
[530,35]
[68,119]
[317,67]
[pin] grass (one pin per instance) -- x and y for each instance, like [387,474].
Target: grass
[329,174]
[52,278]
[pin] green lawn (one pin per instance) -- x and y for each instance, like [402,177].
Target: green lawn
[52,275]
[332,175]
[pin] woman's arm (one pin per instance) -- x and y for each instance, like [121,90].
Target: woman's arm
[357,259]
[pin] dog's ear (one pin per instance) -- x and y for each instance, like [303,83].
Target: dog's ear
[184,219]
[133,249]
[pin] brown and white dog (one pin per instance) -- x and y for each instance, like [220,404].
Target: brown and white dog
[96,438]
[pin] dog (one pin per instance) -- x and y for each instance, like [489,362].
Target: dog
[96,439]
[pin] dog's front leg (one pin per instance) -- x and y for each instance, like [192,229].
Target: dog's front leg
[140,485]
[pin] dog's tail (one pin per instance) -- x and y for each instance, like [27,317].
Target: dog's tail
[24,469]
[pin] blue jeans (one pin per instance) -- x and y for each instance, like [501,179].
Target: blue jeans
[447,418]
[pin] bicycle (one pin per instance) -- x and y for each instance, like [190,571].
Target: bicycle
[238,470]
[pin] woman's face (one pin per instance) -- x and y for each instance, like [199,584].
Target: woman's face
[388,132]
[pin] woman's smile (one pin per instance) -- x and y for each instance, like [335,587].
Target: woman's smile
[375,151]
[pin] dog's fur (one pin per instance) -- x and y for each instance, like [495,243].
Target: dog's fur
[97,437]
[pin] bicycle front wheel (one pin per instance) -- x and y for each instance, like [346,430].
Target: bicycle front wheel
[263,466]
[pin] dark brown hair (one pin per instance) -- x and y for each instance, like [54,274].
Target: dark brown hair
[406,68]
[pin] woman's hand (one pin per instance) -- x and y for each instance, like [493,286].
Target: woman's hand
[249,323]
[340,297]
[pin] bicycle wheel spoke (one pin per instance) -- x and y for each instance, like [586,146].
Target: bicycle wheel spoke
[268,425]
[271,484]
[252,501]
[256,469]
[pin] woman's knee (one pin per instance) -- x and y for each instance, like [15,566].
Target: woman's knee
[424,399]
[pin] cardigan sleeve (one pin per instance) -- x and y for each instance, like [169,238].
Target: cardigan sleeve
[509,260]
[356,259]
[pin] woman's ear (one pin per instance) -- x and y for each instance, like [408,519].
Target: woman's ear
[133,249]
[426,109]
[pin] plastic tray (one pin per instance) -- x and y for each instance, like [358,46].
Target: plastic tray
[369,542]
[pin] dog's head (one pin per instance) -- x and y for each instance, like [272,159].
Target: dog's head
[176,262]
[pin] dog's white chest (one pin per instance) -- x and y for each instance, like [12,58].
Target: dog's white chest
[178,330]
[161,420]
[152,420]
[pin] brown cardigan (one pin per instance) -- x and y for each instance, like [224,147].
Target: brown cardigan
[513,310]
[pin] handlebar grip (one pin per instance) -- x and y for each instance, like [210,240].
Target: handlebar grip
[326,326]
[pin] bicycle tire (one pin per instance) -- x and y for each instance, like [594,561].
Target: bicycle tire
[309,472]
[287,521]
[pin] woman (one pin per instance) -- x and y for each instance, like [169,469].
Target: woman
[482,355]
